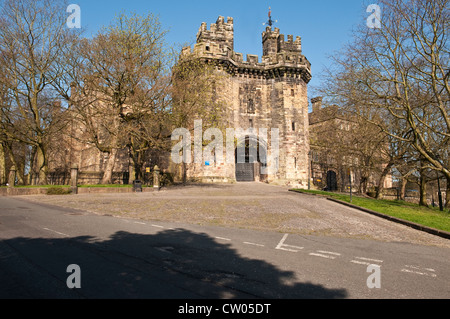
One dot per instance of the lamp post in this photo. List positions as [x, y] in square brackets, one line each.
[350, 180]
[310, 169]
[441, 206]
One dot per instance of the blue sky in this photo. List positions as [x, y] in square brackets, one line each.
[324, 25]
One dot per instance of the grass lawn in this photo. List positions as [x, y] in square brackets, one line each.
[430, 217]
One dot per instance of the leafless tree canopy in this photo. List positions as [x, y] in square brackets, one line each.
[117, 86]
[397, 77]
[33, 39]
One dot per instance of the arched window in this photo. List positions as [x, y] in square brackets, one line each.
[251, 107]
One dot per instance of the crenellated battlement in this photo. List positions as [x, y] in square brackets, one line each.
[290, 45]
[280, 56]
[221, 33]
[274, 42]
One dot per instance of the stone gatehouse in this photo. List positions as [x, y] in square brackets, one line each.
[267, 93]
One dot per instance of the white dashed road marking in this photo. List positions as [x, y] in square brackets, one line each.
[253, 244]
[56, 232]
[429, 272]
[325, 254]
[419, 271]
[365, 261]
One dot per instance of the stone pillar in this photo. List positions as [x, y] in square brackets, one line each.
[156, 181]
[74, 179]
[12, 177]
[132, 174]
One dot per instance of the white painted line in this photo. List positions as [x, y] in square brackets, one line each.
[287, 249]
[322, 255]
[140, 223]
[281, 243]
[369, 259]
[157, 226]
[253, 244]
[328, 252]
[291, 246]
[414, 267]
[418, 268]
[222, 238]
[360, 262]
[281, 246]
[57, 232]
[419, 273]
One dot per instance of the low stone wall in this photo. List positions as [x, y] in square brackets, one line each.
[19, 191]
[106, 190]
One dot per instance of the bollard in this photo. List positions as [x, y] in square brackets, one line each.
[74, 179]
[156, 181]
[12, 177]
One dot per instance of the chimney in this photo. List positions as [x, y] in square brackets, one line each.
[316, 103]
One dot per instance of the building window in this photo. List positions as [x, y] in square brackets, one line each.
[292, 92]
[293, 126]
[251, 107]
[251, 123]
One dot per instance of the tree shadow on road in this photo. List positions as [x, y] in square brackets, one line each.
[172, 264]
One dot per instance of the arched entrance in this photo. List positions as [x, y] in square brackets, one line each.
[250, 157]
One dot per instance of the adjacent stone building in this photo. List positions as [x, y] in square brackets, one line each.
[344, 152]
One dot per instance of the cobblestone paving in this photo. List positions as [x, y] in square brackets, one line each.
[246, 205]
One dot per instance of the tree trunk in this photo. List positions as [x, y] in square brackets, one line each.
[380, 189]
[403, 189]
[422, 190]
[136, 157]
[19, 170]
[447, 194]
[2, 165]
[107, 175]
[42, 165]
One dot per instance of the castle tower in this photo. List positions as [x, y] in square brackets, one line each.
[220, 33]
[270, 41]
[271, 94]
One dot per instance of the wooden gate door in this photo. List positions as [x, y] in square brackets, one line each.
[245, 172]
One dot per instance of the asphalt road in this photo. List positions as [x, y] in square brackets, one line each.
[129, 258]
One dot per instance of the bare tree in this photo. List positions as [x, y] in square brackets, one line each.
[33, 37]
[118, 87]
[400, 72]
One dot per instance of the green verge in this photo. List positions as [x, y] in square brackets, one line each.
[430, 217]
